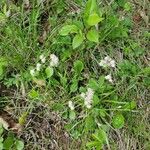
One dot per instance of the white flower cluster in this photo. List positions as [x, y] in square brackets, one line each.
[107, 62]
[53, 63]
[88, 97]
[71, 105]
[32, 72]
[38, 65]
[109, 78]
[42, 58]
[54, 60]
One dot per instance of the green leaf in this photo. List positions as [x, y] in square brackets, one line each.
[1, 139]
[102, 113]
[22, 118]
[57, 107]
[1, 71]
[102, 136]
[33, 94]
[93, 84]
[3, 18]
[49, 72]
[121, 3]
[63, 80]
[3, 61]
[146, 71]
[93, 35]
[1, 146]
[77, 40]
[74, 86]
[127, 6]
[78, 66]
[19, 145]
[68, 29]
[72, 115]
[1, 129]
[131, 105]
[96, 100]
[93, 19]
[3, 64]
[118, 121]
[79, 24]
[8, 143]
[90, 124]
[91, 7]
[94, 144]
[101, 81]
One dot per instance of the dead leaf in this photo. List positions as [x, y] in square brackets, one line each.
[40, 82]
[9, 122]
[4, 123]
[43, 36]
[17, 128]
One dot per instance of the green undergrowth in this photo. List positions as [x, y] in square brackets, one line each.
[86, 61]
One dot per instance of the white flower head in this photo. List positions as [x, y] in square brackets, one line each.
[54, 60]
[112, 63]
[42, 58]
[32, 72]
[102, 63]
[38, 66]
[107, 58]
[107, 61]
[89, 94]
[88, 97]
[109, 78]
[71, 105]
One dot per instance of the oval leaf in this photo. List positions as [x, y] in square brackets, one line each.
[19, 145]
[93, 19]
[78, 66]
[33, 94]
[93, 35]
[1, 128]
[74, 86]
[72, 115]
[91, 6]
[68, 29]
[118, 121]
[8, 143]
[77, 41]
[49, 72]
[1, 71]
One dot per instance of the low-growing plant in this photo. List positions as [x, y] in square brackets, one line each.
[9, 141]
[74, 68]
